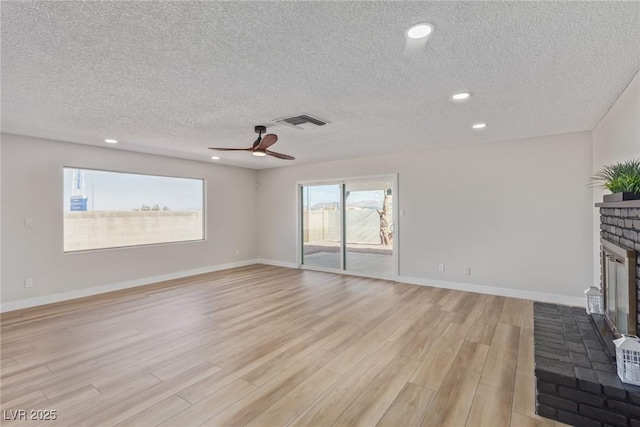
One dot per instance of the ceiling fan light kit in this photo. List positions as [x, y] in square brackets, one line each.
[260, 145]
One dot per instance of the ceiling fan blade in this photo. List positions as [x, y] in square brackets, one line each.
[267, 141]
[230, 149]
[279, 155]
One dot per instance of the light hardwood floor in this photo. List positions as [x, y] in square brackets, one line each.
[269, 346]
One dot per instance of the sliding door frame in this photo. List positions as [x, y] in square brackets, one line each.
[342, 182]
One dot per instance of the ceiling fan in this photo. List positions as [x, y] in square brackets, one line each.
[260, 145]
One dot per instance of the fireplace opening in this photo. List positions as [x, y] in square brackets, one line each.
[619, 287]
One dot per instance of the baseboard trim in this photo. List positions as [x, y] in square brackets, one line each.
[96, 290]
[276, 263]
[458, 286]
[468, 287]
[492, 290]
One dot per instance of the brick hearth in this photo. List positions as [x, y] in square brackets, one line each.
[576, 382]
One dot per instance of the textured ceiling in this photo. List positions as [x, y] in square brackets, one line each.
[174, 78]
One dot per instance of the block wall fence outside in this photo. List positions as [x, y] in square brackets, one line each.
[101, 229]
[363, 226]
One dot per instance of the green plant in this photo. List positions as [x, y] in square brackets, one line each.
[620, 177]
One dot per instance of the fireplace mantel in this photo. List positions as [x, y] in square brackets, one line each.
[624, 204]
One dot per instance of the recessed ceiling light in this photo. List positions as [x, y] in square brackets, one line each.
[259, 153]
[479, 126]
[111, 141]
[460, 96]
[215, 158]
[419, 31]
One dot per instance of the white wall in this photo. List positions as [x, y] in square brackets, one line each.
[0, 219]
[517, 212]
[32, 187]
[615, 139]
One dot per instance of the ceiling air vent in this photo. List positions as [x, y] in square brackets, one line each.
[299, 121]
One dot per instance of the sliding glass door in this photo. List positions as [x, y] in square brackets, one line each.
[349, 226]
[369, 228]
[321, 226]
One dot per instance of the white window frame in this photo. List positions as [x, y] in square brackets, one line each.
[115, 248]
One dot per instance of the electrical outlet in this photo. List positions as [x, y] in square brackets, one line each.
[28, 283]
[467, 271]
[237, 251]
[441, 268]
[28, 222]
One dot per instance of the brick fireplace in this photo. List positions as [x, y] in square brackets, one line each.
[576, 378]
[621, 225]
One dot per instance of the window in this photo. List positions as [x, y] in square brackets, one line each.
[111, 209]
